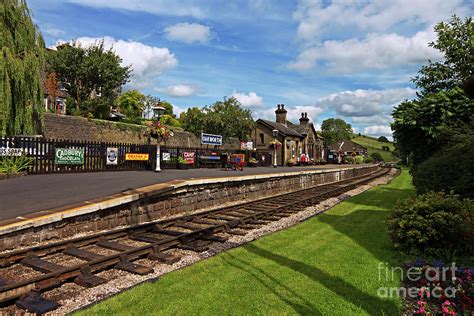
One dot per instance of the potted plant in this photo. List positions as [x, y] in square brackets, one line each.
[322, 161]
[183, 164]
[275, 144]
[290, 162]
[252, 162]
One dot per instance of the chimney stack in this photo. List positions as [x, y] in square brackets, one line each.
[304, 119]
[281, 114]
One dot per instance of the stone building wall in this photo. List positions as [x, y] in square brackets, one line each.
[83, 129]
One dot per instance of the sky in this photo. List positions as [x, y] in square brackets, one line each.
[346, 59]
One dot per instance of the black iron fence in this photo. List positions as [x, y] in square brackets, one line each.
[66, 156]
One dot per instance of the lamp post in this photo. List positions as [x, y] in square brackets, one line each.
[157, 112]
[275, 134]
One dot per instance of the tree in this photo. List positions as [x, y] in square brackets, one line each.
[226, 118]
[334, 130]
[87, 72]
[455, 42]
[131, 103]
[383, 139]
[21, 64]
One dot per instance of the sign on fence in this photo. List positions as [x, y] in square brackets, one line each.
[69, 156]
[246, 145]
[210, 139]
[136, 156]
[189, 157]
[166, 156]
[6, 151]
[112, 155]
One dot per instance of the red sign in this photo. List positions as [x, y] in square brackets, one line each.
[189, 157]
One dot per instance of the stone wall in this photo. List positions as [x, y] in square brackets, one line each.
[83, 129]
[184, 200]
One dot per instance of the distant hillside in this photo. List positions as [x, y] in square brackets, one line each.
[373, 145]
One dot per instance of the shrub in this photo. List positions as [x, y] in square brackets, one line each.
[433, 225]
[386, 148]
[368, 159]
[449, 169]
[383, 139]
[376, 156]
[359, 159]
[348, 159]
[14, 164]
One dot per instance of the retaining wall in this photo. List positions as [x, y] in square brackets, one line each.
[163, 201]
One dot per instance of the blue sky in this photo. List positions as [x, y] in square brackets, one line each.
[347, 59]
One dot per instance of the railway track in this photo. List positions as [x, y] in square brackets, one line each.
[152, 240]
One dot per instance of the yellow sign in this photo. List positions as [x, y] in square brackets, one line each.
[131, 156]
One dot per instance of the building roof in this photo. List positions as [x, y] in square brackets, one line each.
[283, 129]
[346, 146]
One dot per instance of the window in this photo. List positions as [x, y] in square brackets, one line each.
[262, 138]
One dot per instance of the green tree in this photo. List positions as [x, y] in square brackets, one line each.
[456, 42]
[383, 139]
[334, 130]
[131, 103]
[21, 64]
[169, 120]
[226, 118]
[89, 71]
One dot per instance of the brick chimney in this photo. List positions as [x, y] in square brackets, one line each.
[304, 119]
[281, 114]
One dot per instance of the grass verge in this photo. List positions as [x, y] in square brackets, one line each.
[327, 265]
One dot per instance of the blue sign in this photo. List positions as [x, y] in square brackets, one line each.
[210, 139]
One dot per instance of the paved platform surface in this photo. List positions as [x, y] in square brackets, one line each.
[25, 195]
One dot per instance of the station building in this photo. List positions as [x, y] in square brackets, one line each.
[344, 148]
[289, 141]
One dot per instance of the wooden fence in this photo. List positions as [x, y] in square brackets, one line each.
[44, 152]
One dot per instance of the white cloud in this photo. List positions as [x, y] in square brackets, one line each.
[148, 62]
[362, 103]
[316, 16]
[294, 112]
[378, 130]
[376, 51]
[53, 31]
[188, 33]
[179, 90]
[248, 100]
[158, 7]
[378, 119]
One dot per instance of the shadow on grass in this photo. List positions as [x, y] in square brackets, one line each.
[298, 303]
[371, 304]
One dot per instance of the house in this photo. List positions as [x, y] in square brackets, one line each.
[344, 148]
[54, 101]
[289, 141]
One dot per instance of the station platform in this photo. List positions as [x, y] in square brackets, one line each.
[30, 194]
[37, 208]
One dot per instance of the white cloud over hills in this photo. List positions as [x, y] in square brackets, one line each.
[250, 99]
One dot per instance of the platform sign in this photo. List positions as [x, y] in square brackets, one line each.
[69, 156]
[189, 157]
[112, 155]
[211, 139]
[137, 156]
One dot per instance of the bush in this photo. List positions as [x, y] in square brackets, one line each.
[449, 169]
[368, 159]
[359, 159]
[376, 156]
[433, 225]
[348, 159]
[14, 164]
[386, 148]
[383, 139]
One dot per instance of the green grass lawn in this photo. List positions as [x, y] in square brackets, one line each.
[327, 265]
[373, 145]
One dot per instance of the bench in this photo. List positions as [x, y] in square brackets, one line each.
[205, 161]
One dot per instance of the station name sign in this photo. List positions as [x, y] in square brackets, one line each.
[210, 139]
[137, 156]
